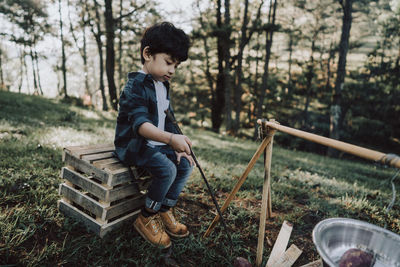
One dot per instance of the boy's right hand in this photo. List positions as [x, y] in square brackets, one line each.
[180, 143]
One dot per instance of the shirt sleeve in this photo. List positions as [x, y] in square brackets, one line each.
[134, 105]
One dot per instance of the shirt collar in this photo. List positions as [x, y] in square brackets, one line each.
[141, 76]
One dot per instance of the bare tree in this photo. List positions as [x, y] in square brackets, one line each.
[335, 112]
[269, 32]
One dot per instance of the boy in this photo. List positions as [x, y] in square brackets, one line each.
[145, 137]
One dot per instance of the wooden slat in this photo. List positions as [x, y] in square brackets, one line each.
[119, 174]
[82, 200]
[280, 245]
[317, 263]
[80, 216]
[94, 226]
[105, 229]
[85, 183]
[122, 192]
[98, 190]
[104, 163]
[123, 207]
[99, 156]
[87, 168]
[72, 149]
[81, 152]
[289, 257]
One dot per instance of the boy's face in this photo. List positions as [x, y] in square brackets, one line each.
[161, 65]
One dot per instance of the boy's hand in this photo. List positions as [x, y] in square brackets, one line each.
[179, 155]
[180, 143]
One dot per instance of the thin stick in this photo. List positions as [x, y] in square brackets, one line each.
[171, 117]
[240, 182]
[266, 196]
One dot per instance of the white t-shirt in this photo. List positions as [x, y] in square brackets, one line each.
[162, 104]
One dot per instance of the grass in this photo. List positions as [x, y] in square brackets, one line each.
[306, 188]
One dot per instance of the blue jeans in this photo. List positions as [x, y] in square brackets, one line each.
[169, 178]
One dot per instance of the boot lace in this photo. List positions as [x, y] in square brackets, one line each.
[155, 222]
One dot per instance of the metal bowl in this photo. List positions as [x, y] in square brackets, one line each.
[333, 237]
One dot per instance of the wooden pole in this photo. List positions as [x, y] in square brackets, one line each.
[251, 164]
[266, 195]
[390, 159]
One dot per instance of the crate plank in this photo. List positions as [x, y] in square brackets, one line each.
[98, 156]
[92, 225]
[105, 229]
[83, 147]
[79, 152]
[87, 168]
[102, 164]
[84, 152]
[122, 192]
[80, 216]
[85, 183]
[82, 200]
[119, 175]
[123, 207]
[79, 149]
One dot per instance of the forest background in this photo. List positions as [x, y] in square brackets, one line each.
[331, 67]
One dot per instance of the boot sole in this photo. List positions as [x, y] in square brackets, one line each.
[145, 238]
[176, 235]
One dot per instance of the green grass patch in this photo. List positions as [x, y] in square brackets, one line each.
[306, 188]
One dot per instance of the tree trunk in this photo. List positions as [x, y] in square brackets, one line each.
[85, 64]
[290, 62]
[63, 65]
[227, 68]
[119, 84]
[21, 73]
[110, 54]
[244, 40]
[309, 77]
[328, 68]
[2, 83]
[37, 71]
[217, 106]
[35, 87]
[97, 35]
[335, 113]
[268, 44]
[26, 72]
[253, 112]
[239, 71]
[83, 49]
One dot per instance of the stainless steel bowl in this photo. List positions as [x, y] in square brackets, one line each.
[333, 237]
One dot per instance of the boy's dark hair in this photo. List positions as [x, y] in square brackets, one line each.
[164, 37]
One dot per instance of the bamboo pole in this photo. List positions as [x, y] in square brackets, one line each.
[241, 180]
[389, 159]
[266, 212]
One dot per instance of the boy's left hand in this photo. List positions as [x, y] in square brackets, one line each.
[179, 155]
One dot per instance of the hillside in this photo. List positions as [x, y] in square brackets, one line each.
[306, 188]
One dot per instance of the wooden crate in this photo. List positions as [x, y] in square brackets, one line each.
[98, 190]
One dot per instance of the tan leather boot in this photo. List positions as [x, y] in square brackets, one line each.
[172, 227]
[150, 228]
